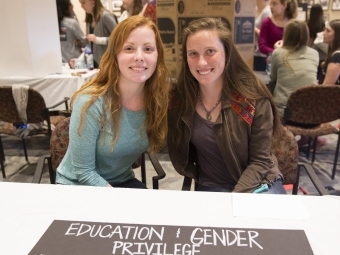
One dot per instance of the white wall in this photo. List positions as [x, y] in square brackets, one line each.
[29, 44]
[80, 13]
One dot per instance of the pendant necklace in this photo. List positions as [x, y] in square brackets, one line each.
[208, 115]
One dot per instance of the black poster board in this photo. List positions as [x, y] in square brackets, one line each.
[97, 238]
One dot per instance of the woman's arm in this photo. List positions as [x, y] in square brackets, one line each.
[333, 69]
[257, 31]
[97, 40]
[260, 141]
[78, 33]
[263, 38]
[109, 22]
[264, 14]
[83, 146]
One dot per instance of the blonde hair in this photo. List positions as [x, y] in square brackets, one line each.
[295, 36]
[291, 10]
[105, 84]
[97, 11]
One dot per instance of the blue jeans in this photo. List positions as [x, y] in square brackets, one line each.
[276, 188]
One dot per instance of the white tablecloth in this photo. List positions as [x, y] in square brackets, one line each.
[53, 87]
[27, 210]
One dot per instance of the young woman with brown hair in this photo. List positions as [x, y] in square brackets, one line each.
[222, 118]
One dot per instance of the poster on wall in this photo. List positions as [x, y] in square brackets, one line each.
[113, 5]
[324, 4]
[88, 238]
[302, 12]
[116, 4]
[326, 18]
[308, 2]
[336, 5]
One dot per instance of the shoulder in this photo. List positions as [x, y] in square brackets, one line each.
[267, 21]
[278, 52]
[244, 107]
[266, 12]
[83, 99]
[106, 13]
[335, 57]
[108, 16]
[312, 52]
[69, 21]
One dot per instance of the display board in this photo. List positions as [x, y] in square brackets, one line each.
[88, 238]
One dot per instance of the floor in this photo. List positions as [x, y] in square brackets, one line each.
[18, 170]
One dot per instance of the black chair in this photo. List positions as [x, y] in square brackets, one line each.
[37, 112]
[308, 113]
[58, 147]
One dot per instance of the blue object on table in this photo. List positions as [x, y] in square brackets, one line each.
[262, 188]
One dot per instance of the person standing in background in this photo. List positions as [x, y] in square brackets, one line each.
[99, 25]
[71, 36]
[262, 12]
[272, 27]
[131, 8]
[331, 66]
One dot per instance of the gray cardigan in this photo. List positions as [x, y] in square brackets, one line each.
[103, 28]
[304, 63]
[68, 46]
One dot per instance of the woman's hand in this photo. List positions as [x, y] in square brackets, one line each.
[91, 37]
[72, 62]
[278, 44]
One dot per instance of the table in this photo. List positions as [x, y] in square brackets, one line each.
[28, 209]
[53, 87]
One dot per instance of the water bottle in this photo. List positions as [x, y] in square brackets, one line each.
[88, 58]
[269, 63]
[80, 64]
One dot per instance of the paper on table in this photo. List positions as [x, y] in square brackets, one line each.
[269, 206]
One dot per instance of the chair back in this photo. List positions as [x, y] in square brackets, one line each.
[313, 105]
[59, 142]
[287, 155]
[8, 110]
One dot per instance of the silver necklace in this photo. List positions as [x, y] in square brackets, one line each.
[208, 115]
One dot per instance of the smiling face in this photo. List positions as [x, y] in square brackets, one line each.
[87, 5]
[206, 57]
[138, 58]
[277, 8]
[328, 35]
